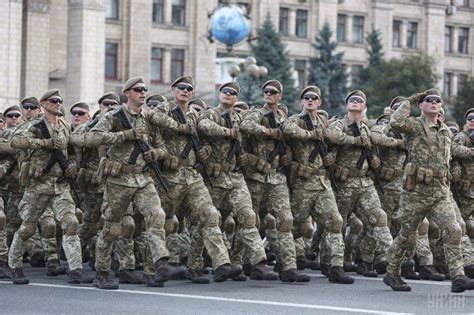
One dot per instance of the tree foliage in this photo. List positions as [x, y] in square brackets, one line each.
[464, 101]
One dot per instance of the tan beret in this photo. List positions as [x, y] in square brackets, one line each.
[356, 93]
[397, 99]
[433, 92]
[384, 116]
[14, 108]
[82, 105]
[310, 88]
[30, 100]
[470, 110]
[241, 105]
[452, 124]
[110, 96]
[132, 82]
[156, 97]
[48, 94]
[275, 83]
[184, 79]
[199, 102]
[232, 84]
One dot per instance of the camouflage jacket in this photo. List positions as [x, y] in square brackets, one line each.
[297, 135]
[213, 130]
[392, 157]
[108, 132]
[257, 143]
[463, 152]
[27, 138]
[428, 146]
[7, 158]
[166, 121]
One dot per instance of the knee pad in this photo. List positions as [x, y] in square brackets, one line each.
[470, 228]
[211, 217]
[79, 215]
[26, 230]
[306, 229]
[284, 221]
[157, 219]
[229, 225]
[269, 222]
[171, 225]
[111, 231]
[355, 224]
[453, 233]
[410, 238]
[70, 224]
[3, 220]
[434, 232]
[88, 230]
[128, 227]
[381, 218]
[48, 228]
[246, 218]
[334, 224]
[424, 227]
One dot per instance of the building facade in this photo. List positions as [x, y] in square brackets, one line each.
[87, 47]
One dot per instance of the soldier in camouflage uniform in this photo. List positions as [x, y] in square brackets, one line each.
[230, 193]
[188, 196]
[266, 180]
[42, 190]
[357, 192]
[310, 189]
[426, 189]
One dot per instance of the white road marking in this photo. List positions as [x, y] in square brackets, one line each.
[215, 298]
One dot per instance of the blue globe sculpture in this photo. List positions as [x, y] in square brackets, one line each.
[229, 25]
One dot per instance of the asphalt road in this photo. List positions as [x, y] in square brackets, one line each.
[48, 295]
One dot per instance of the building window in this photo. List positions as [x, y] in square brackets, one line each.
[463, 40]
[156, 65]
[300, 68]
[396, 32]
[112, 9]
[158, 11]
[111, 57]
[447, 83]
[461, 79]
[177, 63]
[358, 29]
[341, 28]
[448, 39]
[178, 12]
[301, 23]
[412, 30]
[283, 27]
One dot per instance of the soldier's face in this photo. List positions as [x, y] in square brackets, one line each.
[13, 118]
[30, 111]
[53, 105]
[431, 105]
[79, 116]
[271, 95]
[356, 104]
[136, 95]
[470, 121]
[183, 92]
[228, 96]
[310, 102]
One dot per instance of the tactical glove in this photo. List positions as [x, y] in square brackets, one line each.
[203, 153]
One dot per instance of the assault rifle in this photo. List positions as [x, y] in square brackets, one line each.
[140, 147]
[319, 148]
[280, 148]
[235, 148]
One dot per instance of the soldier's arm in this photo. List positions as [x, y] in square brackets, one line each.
[102, 133]
[251, 124]
[336, 134]
[5, 147]
[25, 138]
[159, 144]
[459, 149]
[291, 129]
[209, 127]
[159, 118]
[400, 119]
[379, 137]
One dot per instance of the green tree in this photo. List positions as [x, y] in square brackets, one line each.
[394, 77]
[464, 101]
[326, 72]
[271, 53]
[375, 53]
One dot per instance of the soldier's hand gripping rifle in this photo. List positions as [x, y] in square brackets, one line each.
[366, 154]
[280, 148]
[319, 148]
[57, 156]
[235, 148]
[193, 143]
[140, 147]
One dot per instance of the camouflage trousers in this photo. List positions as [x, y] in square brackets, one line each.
[117, 199]
[274, 199]
[31, 208]
[45, 242]
[124, 244]
[413, 209]
[91, 207]
[365, 204]
[321, 206]
[3, 234]
[13, 215]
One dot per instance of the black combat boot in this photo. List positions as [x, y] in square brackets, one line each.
[197, 276]
[18, 277]
[247, 269]
[408, 271]
[469, 271]
[429, 273]
[128, 276]
[261, 272]
[349, 266]
[179, 273]
[4, 270]
[226, 271]
[461, 284]
[337, 275]
[396, 283]
[293, 275]
[381, 267]
[324, 269]
[103, 281]
[164, 271]
[367, 270]
[78, 276]
[302, 263]
[54, 268]
[37, 260]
